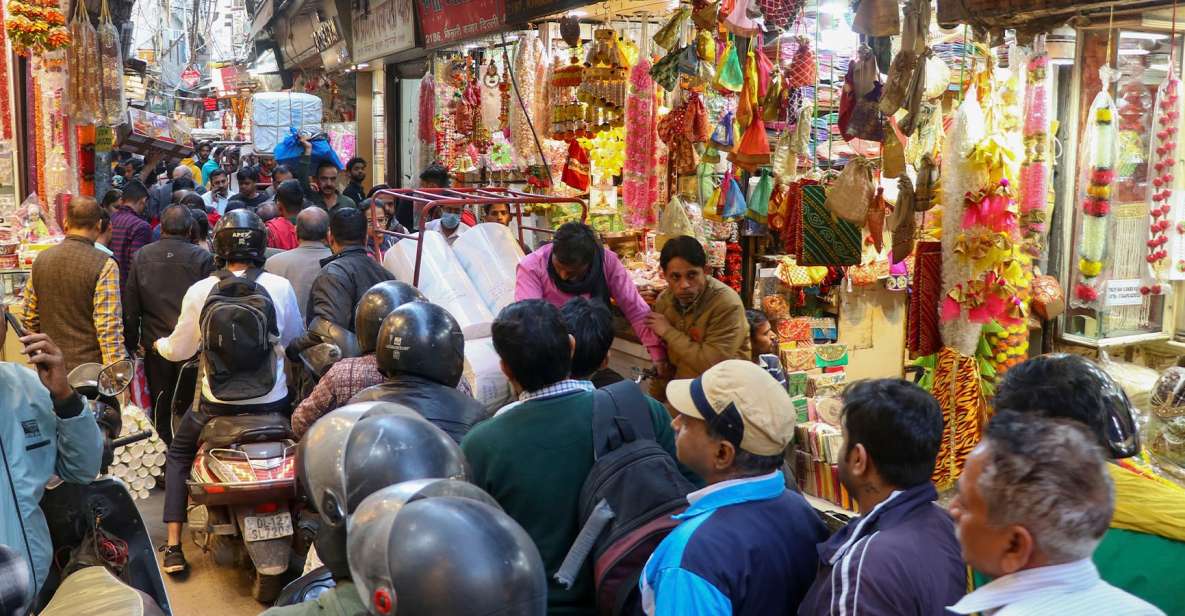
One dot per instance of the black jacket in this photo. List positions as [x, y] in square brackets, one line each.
[161, 273]
[336, 291]
[344, 277]
[447, 408]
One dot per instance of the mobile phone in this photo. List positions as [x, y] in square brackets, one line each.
[15, 323]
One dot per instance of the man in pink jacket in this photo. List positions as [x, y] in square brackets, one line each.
[575, 264]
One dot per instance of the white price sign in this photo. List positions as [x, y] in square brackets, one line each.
[1124, 292]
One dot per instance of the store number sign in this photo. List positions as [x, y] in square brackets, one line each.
[1125, 292]
[448, 21]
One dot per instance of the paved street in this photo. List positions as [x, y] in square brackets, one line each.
[206, 588]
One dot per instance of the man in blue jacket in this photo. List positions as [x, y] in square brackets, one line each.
[901, 556]
[746, 545]
[45, 429]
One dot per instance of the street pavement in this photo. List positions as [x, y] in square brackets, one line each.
[206, 588]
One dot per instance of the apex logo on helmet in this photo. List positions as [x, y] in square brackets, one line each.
[396, 346]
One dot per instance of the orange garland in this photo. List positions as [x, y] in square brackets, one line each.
[36, 26]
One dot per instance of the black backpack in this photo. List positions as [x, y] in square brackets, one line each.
[239, 333]
[627, 502]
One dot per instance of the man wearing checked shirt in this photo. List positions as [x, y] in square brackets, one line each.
[73, 294]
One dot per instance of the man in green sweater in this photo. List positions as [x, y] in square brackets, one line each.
[533, 457]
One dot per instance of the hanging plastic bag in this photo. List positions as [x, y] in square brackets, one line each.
[85, 75]
[758, 207]
[803, 69]
[674, 221]
[729, 75]
[705, 15]
[668, 36]
[705, 47]
[576, 171]
[739, 21]
[734, 199]
[724, 137]
[289, 151]
[876, 219]
[902, 222]
[877, 18]
[780, 13]
[113, 104]
[892, 153]
[665, 72]
[850, 195]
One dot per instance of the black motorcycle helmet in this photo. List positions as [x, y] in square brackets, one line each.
[240, 236]
[443, 555]
[424, 340]
[1072, 387]
[375, 305]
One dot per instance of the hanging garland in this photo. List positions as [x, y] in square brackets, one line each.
[36, 26]
[1035, 173]
[1096, 200]
[1161, 188]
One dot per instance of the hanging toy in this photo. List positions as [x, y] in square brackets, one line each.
[1166, 123]
[1099, 182]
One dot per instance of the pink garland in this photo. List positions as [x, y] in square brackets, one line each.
[1035, 171]
[639, 186]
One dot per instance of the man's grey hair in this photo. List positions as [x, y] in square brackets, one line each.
[182, 171]
[312, 224]
[1051, 477]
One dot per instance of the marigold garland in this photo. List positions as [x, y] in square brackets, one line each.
[36, 26]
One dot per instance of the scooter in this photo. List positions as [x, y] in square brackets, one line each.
[104, 562]
[243, 490]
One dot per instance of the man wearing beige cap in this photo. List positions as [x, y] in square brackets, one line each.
[746, 544]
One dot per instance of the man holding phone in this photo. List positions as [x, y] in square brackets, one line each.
[45, 429]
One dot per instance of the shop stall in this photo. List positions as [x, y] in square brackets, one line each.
[899, 194]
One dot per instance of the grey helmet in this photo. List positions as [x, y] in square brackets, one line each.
[345, 457]
[443, 548]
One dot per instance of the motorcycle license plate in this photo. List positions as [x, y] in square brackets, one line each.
[272, 526]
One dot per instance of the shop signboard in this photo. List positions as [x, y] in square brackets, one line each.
[387, 29]
[104, 139]
[445, 22]
[190, 76]
[326, 34]
[522, 11]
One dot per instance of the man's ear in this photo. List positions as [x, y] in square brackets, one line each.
[1019, 551]
[726, 454]
[858, 461]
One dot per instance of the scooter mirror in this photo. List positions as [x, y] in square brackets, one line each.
[115, 377]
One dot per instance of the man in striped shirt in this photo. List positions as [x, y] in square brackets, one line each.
[1034, 501]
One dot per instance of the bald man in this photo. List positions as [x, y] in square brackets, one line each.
[302, 264]
[161, 274]
[73, 294]
[162, 195]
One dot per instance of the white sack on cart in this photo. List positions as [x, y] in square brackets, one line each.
[490, 254]
[273, 113]
[443, 281]
[483, 372]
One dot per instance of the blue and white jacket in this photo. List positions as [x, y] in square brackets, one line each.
[900, 559]
[745, 547]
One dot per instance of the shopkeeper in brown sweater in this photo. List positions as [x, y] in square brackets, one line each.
[700, 319]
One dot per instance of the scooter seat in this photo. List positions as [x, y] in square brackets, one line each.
[94, 591]
[223, 431]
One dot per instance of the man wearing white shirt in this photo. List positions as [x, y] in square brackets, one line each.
[239, 243]
[219, 194]
[1034, 500]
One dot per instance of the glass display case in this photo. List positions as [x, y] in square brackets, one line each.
[1126, 310]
